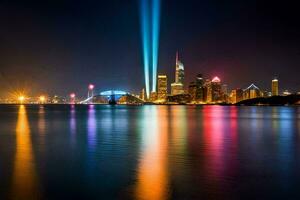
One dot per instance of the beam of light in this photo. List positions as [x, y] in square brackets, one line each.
[155, 40]
[145, 40]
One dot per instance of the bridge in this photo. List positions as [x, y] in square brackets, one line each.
[113, 97]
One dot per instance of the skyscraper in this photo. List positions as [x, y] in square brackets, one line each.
[179, 75]
[216, 89]
[162, 87]
[192, 90]
[251, 92]
[207, 91]
[142, 94]
[199, 87]
[178, 86]
[236, 96]
[275, 89]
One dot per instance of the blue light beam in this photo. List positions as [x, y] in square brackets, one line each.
[155, 40]
[146, 42]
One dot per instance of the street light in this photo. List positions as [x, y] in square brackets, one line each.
[42, 99]
[21, 99]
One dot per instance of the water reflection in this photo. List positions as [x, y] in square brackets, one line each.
[73, 124]
[153, 177]
[42, 126]
[91, 129]
[213, 124]
[24, 174]
[179, 128]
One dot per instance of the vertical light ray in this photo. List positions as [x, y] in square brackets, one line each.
[145, 41]
[155, 40]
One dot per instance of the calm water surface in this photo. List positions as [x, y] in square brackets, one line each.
[149, 152]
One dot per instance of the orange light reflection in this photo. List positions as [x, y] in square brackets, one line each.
[24, 175]
[152, 175]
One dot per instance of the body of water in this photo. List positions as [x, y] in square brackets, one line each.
[149, 152]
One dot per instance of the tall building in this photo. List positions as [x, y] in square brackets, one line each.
[236, 95]
[153, 96]
[275, 89]
[199, 87]
[179, 74]
[207, 91]
[252, 92]
[192, 91]
[224, 93]
[142, 94]
[178, 86]
[216, 89]
[162, 87]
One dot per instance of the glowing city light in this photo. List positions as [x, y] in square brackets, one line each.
[42, 99]
[216, 79]
[72, 95]
[91, 87]
[21, 99]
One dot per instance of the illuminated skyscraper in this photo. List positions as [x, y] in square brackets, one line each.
[216, 89]
[153, 96]
[178, 86]
[207, 91]
[252, 92]
[199, 87]
[236, 96]
[192, 90]
[162, 87]
[179, 75]
[142, 94]
[275, 89]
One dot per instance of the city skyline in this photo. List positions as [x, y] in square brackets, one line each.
[78, 45]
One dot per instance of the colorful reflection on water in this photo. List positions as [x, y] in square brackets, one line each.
[149, 152]
[152, 172]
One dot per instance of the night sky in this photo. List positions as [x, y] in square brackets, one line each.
[58, 47]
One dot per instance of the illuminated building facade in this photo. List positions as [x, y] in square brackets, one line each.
[142, 94]
[179, 74]
[252, 92]
[236, 96]
[275, 89]
[162, 87]
[286, 93]
[224, 93]
[207, 91]
[153, 96]
[192, 90]
[199, 87]
[178, 86]
[216, 90]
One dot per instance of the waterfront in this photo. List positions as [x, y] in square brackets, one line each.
[149, 152]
